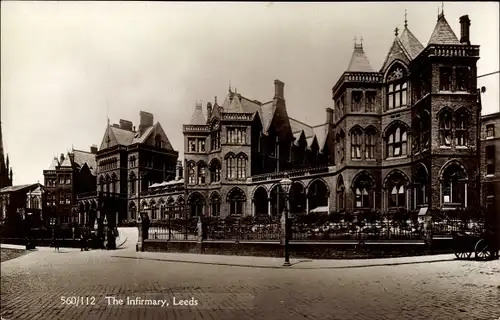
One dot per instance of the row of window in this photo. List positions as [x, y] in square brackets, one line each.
[236, 168]
[367, 101]
[63, 179]
[108, 164]
[455, 78]
[362, 141]
[237, 136]
[64, 198]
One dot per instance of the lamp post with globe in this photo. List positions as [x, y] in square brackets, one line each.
[286, 184]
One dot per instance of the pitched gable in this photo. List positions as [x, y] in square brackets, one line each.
[397, 52]
[410, 43]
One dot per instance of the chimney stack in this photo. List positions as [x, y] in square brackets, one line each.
[209, 110]
[61, 158]
[93, 149]
[464, 29]
[329, 115]
[126, 125]
[146, 121]
[279, 89]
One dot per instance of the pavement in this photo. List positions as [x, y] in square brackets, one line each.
[44, 284]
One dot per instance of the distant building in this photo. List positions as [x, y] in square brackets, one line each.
[13, 200]
[490, 160]
[71, 174]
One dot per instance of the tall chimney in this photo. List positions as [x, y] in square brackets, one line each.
[279, 89]
[329, 115]
[146, 121]
[93, 149]
[61, 158]
[126, 125]
[464, 29]
[209, 110]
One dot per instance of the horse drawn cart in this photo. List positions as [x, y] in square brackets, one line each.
[468, 242]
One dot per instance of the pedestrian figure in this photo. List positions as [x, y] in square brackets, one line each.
[83, 241]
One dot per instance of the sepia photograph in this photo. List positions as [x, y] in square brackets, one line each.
[250, 160]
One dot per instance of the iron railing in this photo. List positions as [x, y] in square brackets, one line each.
[258, 228]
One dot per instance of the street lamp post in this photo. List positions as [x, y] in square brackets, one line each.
[286, 183]
[53, 224]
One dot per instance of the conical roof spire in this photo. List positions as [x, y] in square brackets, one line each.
[198, 118]
[409, 41]
[443, 33]
[359, 62]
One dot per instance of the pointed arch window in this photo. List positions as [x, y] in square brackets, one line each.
[461, 130]
[201, 173]
[397, 142]
[397, 89]
[191, 173]
[231, 167]
[236, 198]
[397, 191]
[241, 166]
[215, 171]
[215, 137]
[370, 144]
[215, 205]
[362, 188]
[445, 129]
[421, 180]
[356, 139]
[454, 185]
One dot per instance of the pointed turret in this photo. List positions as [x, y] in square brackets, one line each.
[410, 42]
[443, 33]
[359, 61]
[198, 118]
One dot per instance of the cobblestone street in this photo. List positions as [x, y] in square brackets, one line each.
[32, 286]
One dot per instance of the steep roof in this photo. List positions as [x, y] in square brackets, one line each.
[83, 157]
[359, 61]
[321, 133]
[410, 43]
[443, 33]
[66, 162]
[54, 164]
[298, 126]
[198, 118]
[17, 188]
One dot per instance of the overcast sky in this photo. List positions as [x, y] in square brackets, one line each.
[63, 62]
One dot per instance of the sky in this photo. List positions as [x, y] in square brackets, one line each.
[68, 66]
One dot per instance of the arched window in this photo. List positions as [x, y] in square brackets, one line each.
[196, 204]
[461, 123]
[396, 185]
[421, 182]
[215, 171]
[397, 141]
[363, 186]
[397, 88]
[114, 184]
[445, 128]
[201, 172]
[260, 200]
[215, 204]
[356, 139]
[101, 183]
[340, 194]
[370, 143]
[231, 166]
[236, 198]
[191, 173]
[215, 136]
[454, 185]
[132, 182]
[241, 166]
[108, 183]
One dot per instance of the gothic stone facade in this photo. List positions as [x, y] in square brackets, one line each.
[405, 136]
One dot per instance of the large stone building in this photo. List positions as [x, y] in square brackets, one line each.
[405, 136]
[128, 162]
[70, 175]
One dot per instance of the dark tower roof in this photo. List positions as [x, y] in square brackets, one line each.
[359, 60]
[443, 33]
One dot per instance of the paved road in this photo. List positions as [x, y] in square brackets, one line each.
[32, 287]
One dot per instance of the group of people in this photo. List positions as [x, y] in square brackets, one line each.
[98, 239]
